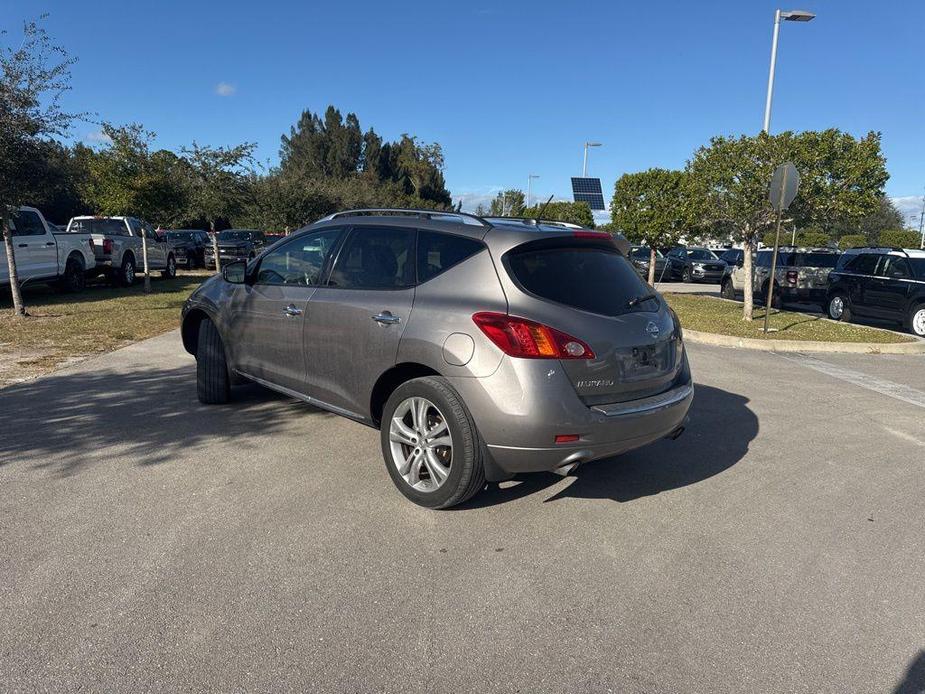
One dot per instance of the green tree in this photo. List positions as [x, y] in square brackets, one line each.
[852, 241]
[33, 76]
[900, 238]
[884, 218]
[841, 178]
[507, 203]
[807, 238]
[219, 183]
[649, 208]
[563, 211]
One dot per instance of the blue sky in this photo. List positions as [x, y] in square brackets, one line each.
[508, 88]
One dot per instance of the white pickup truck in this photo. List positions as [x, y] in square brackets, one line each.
[117, 242]
[46, 256]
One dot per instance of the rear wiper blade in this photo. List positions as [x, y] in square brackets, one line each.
[639, 299]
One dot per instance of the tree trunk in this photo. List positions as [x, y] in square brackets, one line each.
[218, 268]
[144, 256]
[748, 271]
[652, 266]
[18, 308]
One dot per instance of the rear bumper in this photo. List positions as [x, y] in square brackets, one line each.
[809, 294]
[525, 404]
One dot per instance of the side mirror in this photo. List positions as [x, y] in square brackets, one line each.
[235, 273]
[740, 262]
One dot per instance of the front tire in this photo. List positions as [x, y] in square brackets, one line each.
[213, 384]
[838, 309]
[916, 320]
[126, 275]
[431, 446]
[728, 291]
[686, 275]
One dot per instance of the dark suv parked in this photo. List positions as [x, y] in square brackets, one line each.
[190, 246]
[884, 283]
[236, 244]
[695, 265]
[480, 348]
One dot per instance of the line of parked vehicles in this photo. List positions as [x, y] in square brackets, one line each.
[91, 246]
[874, 282]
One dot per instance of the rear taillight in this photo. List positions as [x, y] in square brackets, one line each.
[527, 339]
[596, 235]
[107, 246]
[792, 276]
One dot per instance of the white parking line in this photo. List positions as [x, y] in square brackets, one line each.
[897, 391]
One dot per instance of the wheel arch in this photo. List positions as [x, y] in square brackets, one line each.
[78, 256]
[390, 380]
[189, 330]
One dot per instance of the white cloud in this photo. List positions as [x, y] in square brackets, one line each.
[97, 137]
[910, 207]
[225, 89]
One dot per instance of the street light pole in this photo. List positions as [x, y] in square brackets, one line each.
[922, 224]
[584, 168]
[530, 178]
[789, 16]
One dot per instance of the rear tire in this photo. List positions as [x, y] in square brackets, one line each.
[125, 277]
[728, 291]
[171, 271]
[74, 278]
[213, 385]
[466, 469]
[776, 302]
[838, 308]
[686, 275]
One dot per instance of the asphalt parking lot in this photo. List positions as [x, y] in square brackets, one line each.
[152, 543]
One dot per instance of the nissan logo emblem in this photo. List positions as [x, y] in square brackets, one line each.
[652, 329]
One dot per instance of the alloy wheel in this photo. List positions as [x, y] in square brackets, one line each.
[421, 444]
[836, 307]
[918, 322]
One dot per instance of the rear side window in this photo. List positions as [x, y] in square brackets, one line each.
[587, 278]
[764, 259]
[863, 264]
[895, 267]
[439, 252]
[375, 258]
[918, 267]
[786, 258]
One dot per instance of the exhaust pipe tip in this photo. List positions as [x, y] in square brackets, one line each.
[676, 433]
[564, 470]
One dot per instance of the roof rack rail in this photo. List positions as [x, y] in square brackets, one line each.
[535, 222]
[464, 217]
[878, 248]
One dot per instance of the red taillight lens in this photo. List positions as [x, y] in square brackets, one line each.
[519, 337]
[596, 235]
[792, 276]
[567, 438]
[107, 246]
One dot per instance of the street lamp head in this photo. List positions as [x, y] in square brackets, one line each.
[797, 16]
[592, 144]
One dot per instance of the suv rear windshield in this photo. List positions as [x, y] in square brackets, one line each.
[237, 235]
[701, 254]
[816, 259]
[587, 278]
[180, 235]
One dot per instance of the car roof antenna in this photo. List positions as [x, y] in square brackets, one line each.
[539, 217]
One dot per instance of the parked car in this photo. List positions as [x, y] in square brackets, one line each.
[801, 275]
[694, 265]
[640, 256]
[733, 257]
[189, 246]
[479, 349]
[45, 255]
[883, 283]
[118, 247]
[234, 245]
[270, 239]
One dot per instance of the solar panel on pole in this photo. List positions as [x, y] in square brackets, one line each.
[588, 190]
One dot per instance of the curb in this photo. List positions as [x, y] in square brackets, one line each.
[696, 337]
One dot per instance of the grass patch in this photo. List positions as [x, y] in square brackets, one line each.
[709, 315]
[98, 319]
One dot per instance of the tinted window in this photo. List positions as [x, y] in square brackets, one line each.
[109, 227]
[918, 267]
[895, 267]
[25, 223]
[763, 259]
[816, 259]
[787, 258]
[590, 279]
[180, 235]
[863, 264]
[375, 258]
[732, 256]
[438, 252]
[236, 235]
[299, 262]
[701, 254]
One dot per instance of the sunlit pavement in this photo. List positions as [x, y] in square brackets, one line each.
[151, 543]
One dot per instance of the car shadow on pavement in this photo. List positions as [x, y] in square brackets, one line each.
[717, 437]
[66, 422]
[914, 680]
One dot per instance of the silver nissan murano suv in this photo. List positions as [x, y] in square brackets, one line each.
[480, 347]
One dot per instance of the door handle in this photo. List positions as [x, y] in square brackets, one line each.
[386, 318]
[49, 243]
[291, 310]
[22, 245]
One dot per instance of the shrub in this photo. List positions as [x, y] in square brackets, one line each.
[852, 241]
[900, 238]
